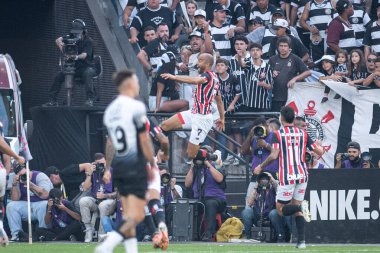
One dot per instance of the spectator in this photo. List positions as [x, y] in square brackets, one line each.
[373, 80]
[200, 18]
[150, 55]
[315, 18]
[150, 34]
[295, 16]
[314, 162]
[341, 33]
[139, 5]
[17, 209]
[287, 70]
[192, 11]
[262, 207]
[350, 160]
[102, 197]
[63, 219]
[231, 92]
[170, 191]
[264, 35]
[371, 59]
[263, 10]
[357, 69]
[341, 63]
[210, 192]
[164, 96]
[359, 22]
[371, 39]
[235, 16]
[223, 33]
[281, 27]
[84, 63]
[71, 180]
[255, 23]
[257, 89]
[153, 16]
[328, 64]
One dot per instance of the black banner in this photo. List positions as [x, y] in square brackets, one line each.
[345, 206]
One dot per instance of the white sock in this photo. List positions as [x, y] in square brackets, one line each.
[112, 240]
[130, 245]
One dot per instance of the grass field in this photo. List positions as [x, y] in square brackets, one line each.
[191, 248]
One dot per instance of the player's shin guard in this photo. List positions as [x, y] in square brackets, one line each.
[300, 224]
[157, 210]
[149, 221]
[291, 209]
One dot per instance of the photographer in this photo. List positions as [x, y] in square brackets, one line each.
[312, 161]
[351, 159]
[170, 191]
[77, 48]
[208, 185]
[367, 160]
[262, 201]
[17, 209]
[257, 144]
[102, 197]
[63, 219]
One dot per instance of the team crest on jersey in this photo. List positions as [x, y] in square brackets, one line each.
[157, 20]
[355, 20]
[227, 88]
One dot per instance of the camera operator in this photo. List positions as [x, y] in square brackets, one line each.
[63, 219]
[312, 161]
[257, 144]
[262, 200]
[208, 185]
[170, 191]
[78, 51]
[17, 210]
[102, 197]
[351, 159]
[367, 160]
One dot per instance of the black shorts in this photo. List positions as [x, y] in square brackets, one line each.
[130, 178]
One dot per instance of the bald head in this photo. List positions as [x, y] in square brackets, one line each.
[208, 58]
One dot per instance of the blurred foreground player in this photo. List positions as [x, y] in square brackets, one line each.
[131, 148]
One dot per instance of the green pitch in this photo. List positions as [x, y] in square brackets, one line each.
[191, 248]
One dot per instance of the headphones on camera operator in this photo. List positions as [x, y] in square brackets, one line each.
[78, 26]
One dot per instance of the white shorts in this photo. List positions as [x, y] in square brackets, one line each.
[3, 181]
[286, 193]
[152, 102]
[200, 125]
[155, 183]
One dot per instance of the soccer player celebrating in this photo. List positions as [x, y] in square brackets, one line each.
[125, 119]
[290, 143]
[199, 118]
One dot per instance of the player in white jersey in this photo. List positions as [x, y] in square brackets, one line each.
[129, 147]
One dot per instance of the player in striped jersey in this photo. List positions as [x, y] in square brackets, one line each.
[290, 143]
[199, 118]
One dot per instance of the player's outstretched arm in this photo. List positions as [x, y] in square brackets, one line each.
[7, 150]
[219, 104]
[185, 79]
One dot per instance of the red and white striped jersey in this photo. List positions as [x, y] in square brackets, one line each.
[204, 93]
[292, 143]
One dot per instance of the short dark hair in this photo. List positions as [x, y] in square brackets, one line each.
[122, 75]
[242, 38]
[260, 121]
[55, 193]
[275, 121]
[161, 24]
[255, 45]
[222, 60]
[288, 114]
[98, 156]
[149, 28]
[377, 59]
[284, 39]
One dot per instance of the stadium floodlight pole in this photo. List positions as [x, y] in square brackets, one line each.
[28, 201]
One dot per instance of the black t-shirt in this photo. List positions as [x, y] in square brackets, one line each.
[85, 46]
[287, 68]
[297, 47]
[72, 178]
[149, 17]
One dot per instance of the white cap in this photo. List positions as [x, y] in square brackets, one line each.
[281, 23]
[200, 12]
[326, 57]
